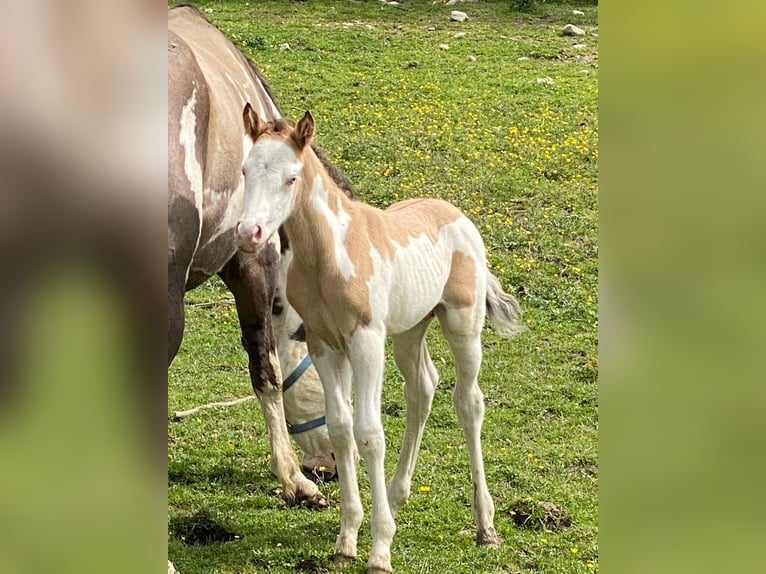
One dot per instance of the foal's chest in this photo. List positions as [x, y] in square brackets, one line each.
[331, 307]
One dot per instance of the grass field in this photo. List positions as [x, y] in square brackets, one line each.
[512, 139]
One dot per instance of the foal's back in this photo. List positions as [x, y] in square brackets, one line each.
[437, 259]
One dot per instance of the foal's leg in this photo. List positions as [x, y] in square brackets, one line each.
[462, 329]
[252, 281]
[420, 380]
[335, 373]
[366, 353]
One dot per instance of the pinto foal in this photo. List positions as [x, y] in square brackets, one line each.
[358, 274]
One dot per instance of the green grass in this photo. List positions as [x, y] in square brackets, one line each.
[403, 118]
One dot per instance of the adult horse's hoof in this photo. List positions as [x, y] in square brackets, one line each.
[487, 537]
[320, 468]
[316, 500]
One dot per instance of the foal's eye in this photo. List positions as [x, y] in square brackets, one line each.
[243, 171]
[290, 181]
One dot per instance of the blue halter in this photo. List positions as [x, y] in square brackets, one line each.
[289, 382]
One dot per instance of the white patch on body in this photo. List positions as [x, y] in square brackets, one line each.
[188, 140]
[339, 225]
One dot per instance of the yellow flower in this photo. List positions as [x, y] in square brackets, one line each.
[424, 488]
[574, 550]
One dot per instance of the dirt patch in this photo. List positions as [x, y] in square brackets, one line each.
[200, 529]
[311, 566]
[538, 515]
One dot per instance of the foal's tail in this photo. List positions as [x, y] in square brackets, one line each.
[503, 309]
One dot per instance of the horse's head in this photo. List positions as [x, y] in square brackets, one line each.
[272, 171]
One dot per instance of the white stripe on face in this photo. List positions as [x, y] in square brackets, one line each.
[269, 166]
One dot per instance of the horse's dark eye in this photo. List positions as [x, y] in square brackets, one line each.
[243, 171]
[290, 181]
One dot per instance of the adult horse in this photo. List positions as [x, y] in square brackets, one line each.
[209, 81]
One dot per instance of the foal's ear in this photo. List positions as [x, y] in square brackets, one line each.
[304, 131]
[253, 124]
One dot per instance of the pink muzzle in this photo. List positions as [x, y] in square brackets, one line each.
[250, 235]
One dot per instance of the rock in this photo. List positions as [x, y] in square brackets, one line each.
[458, 35]
[458, 16]
[393, 3]
[285, 47]
[208, 10]
[572, 30]
[431, 28]
[578, 12]
[471, 58]
[546, 80]
[579, 46]
[443, 46]
[452, 2]
[522, 59]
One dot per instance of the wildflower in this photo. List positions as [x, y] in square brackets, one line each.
[574, 550]
[424, 488]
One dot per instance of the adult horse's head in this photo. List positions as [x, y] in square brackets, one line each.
[273, 171]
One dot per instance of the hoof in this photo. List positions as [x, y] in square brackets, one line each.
[342, 559]
[376, 570]
[315, 500]
[320, 468]
[487, 537]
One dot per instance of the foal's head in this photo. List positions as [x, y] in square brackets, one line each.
[272, 173]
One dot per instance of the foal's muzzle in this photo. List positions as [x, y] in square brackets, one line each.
[250, 235]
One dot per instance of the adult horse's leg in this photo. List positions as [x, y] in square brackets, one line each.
[420, 380]
[252, 279]
[183, 233]
[462, 329]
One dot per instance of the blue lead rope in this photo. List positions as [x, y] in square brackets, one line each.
[296, 374]
[303, 427]
[289, 382]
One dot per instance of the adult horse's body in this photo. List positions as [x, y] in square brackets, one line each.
[359, 274]
[209, 81]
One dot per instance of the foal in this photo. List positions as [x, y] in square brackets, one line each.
[358, 274]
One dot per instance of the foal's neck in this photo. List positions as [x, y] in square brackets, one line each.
[308, 227]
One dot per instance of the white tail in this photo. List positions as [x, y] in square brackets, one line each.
[503, 309]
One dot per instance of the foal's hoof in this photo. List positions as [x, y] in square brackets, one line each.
[487, 537]
[342, 559]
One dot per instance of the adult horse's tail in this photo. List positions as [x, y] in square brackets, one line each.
[503, 309]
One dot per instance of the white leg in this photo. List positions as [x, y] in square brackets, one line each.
[460, 330]
[366, 353]
[420, 380]
[335, 373]
[284, 462]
